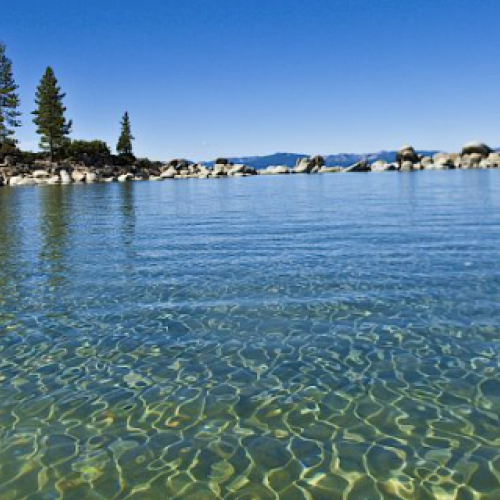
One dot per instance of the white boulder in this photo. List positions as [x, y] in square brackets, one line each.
[383, 166]
[78, 176]
[15, 180]
[65, 177]
[170, 173]
[40, 174]
[329, 170]
[303, 166]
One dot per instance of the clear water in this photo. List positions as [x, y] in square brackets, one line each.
[302, 337]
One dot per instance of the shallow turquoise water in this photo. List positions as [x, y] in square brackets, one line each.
[302, 337]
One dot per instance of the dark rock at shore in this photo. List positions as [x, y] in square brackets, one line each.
[178, 164]
[407, 153]
[476, 148]
[360, 166]
[318, 161]
[304, 166]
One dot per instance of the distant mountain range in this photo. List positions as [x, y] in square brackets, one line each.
[341, 159]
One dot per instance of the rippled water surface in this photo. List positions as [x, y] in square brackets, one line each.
[302, 337]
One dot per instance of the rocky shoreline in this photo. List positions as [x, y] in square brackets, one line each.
[41, 172]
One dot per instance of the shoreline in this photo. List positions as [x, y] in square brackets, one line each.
[41, 172]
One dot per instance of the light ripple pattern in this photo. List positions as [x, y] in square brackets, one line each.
[296, 338]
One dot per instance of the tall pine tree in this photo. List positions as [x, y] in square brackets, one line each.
[9, 100]
[124, 146]
[49, 117]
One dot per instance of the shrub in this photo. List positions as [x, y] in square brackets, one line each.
[80, 150]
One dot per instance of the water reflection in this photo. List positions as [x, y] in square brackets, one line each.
[127, 210]
[10, 252]
[10, 234]
[56, 207]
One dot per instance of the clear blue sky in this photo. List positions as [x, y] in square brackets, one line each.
[207, 78]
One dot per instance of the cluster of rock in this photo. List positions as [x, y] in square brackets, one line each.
[473, 155]
[312, 165]
[182, 169]
[43, 172]
[47, 173]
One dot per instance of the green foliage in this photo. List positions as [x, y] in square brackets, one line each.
[144, 163]
[147, 164]
[8, 149]
[49, 116]
[124, 160]
[124, 146]
[80, 149]
[28, 157]
[9, 100]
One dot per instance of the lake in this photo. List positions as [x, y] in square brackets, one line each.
[289, 337]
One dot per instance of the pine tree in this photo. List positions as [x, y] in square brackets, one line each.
[124, 146]
[49, 117]
[9, 100]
